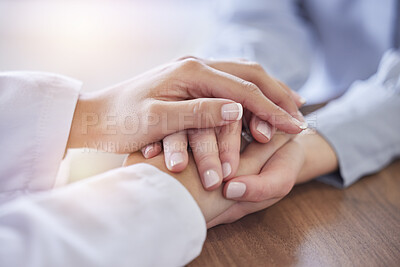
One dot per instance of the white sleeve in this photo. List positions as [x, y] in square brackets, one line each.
[36, 111]
[133, 216]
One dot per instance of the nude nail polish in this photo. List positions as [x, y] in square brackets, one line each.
[175, 159]
[235, 190]
[232, 112]
[264, 129]
[301, 125]
[226, 169]
[211, 178]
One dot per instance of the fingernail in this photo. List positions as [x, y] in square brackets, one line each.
[211, 178]
[264, 129]
[301, 125]
[235, 190]
[232, 112]
[302, 100]
[226, 169]
[175, 159]
[147, 151]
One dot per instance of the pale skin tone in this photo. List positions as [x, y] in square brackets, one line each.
[268, 170]
[175, 102]
[224, 159]
[200, 102]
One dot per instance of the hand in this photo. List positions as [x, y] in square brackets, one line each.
[169, 99]
[212, 203]
[305, 157]
[220, 158]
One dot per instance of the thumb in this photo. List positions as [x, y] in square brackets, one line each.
[275, 180]
[200, 113]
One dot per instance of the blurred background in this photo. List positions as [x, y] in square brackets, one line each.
[100, 43]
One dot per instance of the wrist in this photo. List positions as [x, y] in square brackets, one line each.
[320, 157]
[211, 203]
[85, 122]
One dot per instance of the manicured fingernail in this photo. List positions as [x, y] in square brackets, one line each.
[264, 129]
[302, 100]
[147, 151]
[211, 178]
[226, 169]
[175, 159]
[232, 112]
[301, 125]
[235, 190]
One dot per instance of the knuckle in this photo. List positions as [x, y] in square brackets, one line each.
[201, 114]
[203, 148]
[228, 149]
[154, 107]
[191, 64]
[199, 108]
[204, 158]
[186, 57]
[195, 137]
[255, 66]
[250, 87]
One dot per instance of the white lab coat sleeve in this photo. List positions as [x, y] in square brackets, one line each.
[273, 33]
[131, 216]
[36, 111]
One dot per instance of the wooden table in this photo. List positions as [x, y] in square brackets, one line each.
[316, 225]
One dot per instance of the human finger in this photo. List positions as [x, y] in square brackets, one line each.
[175, 151]
[151, 150]
[261, 130]
[255, 155]
[206, 81]
[253, 72]
[275, 180]
[195, 113]
[228, 138]
[299, 100]
[203, 143]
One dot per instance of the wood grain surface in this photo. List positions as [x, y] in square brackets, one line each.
[316, 225]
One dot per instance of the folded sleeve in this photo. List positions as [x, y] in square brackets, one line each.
[363, 126]
[36, 111]
[273, 33]
[132, 216]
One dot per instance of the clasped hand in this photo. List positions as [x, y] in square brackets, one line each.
[203, 103]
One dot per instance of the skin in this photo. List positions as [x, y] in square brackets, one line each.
[176, 102]
[302, 159]
[224, 159]
[269, 171]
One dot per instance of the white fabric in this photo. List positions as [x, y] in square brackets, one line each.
[36, 111]
[133, 216]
